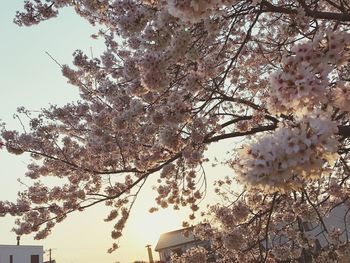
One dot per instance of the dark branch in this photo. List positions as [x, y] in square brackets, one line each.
[268, 7]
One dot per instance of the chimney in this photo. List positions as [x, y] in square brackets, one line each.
[150, 256]
[18, 239]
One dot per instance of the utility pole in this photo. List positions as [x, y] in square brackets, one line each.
[18, 240]
[150, 256]
[50, 254]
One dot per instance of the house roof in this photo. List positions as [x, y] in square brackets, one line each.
[21, 246]
[174, 238]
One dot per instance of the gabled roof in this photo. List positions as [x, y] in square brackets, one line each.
[175, 238]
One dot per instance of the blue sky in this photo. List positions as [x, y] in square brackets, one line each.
[28, 77]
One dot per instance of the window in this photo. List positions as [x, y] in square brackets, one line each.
[34, 259]
[11, 258]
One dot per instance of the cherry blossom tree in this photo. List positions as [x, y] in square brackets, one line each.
[178, 76]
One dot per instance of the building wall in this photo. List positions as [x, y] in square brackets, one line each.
[20, 254]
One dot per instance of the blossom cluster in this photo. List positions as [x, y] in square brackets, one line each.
[192, 255]
[193, 10]
[302, 83]
[282, 159]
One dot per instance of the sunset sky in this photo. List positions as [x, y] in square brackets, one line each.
[28, 77]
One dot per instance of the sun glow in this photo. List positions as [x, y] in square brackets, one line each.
[144, 228]
[151, 226]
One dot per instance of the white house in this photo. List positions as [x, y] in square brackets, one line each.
[177, 242]
[21, 254]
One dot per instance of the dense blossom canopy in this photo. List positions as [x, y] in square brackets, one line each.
[177, 76]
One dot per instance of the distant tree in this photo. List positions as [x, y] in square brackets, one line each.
[178, 76]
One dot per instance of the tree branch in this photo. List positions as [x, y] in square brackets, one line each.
[268, 7]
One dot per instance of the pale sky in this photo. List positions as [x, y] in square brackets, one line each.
[28, 77]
